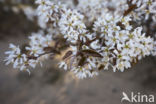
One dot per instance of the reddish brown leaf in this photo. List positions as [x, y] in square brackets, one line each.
[82, 61]
[47, 49]
[91, 53]
[68, 53]
[101, 67]
[131, 8]
[51, 49]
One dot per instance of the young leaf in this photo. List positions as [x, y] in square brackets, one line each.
[91, 53]
[69, 53]
[82, 61]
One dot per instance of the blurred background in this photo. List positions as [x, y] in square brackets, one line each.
[50, 85]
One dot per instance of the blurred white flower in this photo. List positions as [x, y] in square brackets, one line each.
[152, 8]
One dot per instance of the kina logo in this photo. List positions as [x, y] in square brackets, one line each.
[137, 98]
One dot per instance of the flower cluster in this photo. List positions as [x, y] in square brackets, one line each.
[122, 46]
[114, 47]
[68, 21]
[92, 9]
[143, 9]
[71, 25]
[33, 54]
[97, 34]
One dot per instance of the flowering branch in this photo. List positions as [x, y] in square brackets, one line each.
[95, 39]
